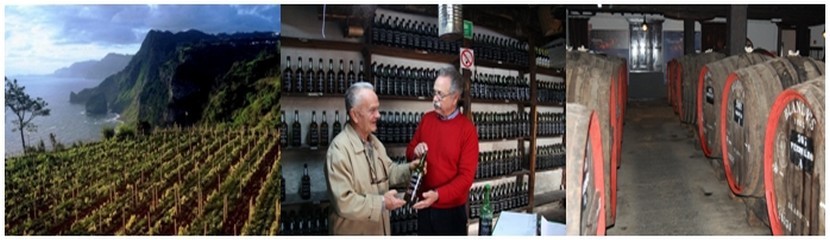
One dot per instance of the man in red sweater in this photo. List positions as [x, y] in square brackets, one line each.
[450, 141]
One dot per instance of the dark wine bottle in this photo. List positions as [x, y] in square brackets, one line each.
[320, 77]
[324, 131]
[296, 130]
[299, 76]
[305, 188]
[313, 131]
[341, 79]
[283, 130]
[309, 76]
[350, 76]
[360, 76]
[336, 127]
[287, 75]
[330, 78]
[411, 194]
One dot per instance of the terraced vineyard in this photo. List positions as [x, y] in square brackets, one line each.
[193, 181]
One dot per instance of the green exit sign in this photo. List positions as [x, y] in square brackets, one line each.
[468, 29]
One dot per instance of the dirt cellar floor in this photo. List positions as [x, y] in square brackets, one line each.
[666, 186]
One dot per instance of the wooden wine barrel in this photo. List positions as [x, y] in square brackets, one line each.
[794, 160]
[584, 168]
[676, 89]
[670, 73]
[710, 86]
[621, 82]
[590, 82]
[748, 95]
[691, 65]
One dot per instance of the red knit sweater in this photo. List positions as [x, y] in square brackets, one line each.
[452, 157]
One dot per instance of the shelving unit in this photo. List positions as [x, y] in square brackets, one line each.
[363, 49]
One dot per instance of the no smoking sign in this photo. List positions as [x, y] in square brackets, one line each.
[467, 58]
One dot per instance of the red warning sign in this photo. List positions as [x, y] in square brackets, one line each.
[467, 58]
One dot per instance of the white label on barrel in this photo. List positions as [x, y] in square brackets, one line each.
[739, 112]
[710, 95]
[801, 151]
[804, 118]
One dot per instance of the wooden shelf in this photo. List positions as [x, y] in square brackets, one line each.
[549, 168]
[513, 174]
[550, 104]
[503, 101]
[500, 64]
[408, 98]
[413, 54]
[311, 95]
[304, 149]
[549, 136]
[502, 139]
[551, 71]
[295, 199]
[320, 44]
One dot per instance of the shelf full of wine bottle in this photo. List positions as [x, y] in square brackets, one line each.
[399, 32]
[319, 134]
[499, 87]
[551, 92]
[308, 220]
[550, 156]
[551, 124]
[404, 220]
[498, 163]
[320, 81]
[504, 125]
[404, 81]
[496, 49]
[397, 127]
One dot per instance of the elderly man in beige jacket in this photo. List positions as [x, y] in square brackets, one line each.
[359, 173]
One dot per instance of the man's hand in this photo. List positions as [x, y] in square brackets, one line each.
[414, 164]
[429, 198]
[390, 202]
[420, 149]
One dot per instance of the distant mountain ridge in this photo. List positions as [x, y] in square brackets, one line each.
[95, 69]
[171, 78]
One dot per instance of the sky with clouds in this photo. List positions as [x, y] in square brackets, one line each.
[42, 38]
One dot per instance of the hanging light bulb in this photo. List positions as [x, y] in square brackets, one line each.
[644, 27]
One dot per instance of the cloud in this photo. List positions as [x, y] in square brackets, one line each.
[42, 38]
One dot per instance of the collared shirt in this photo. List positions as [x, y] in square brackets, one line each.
[451, 116]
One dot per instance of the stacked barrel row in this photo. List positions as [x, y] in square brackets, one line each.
[683, 80]
[585, 167]
[600, 84]
[794, 160]
[761, 116]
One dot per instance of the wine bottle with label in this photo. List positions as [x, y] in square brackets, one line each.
[296, 130]
[336, 127]
[283, 130]
[313, 131]
[485, 227]
[287, 75]
[299, 76]
[305, 187]
[324, 131]
[411, 195]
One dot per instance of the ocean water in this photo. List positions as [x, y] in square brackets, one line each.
[67, 121]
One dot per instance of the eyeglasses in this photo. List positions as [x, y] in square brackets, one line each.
[441, 96]
[373, 173]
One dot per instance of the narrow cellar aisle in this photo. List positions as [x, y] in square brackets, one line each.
[665, 184]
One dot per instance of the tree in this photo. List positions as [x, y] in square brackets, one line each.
[24, 108]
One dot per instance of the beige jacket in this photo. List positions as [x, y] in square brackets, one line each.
[357, 207]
